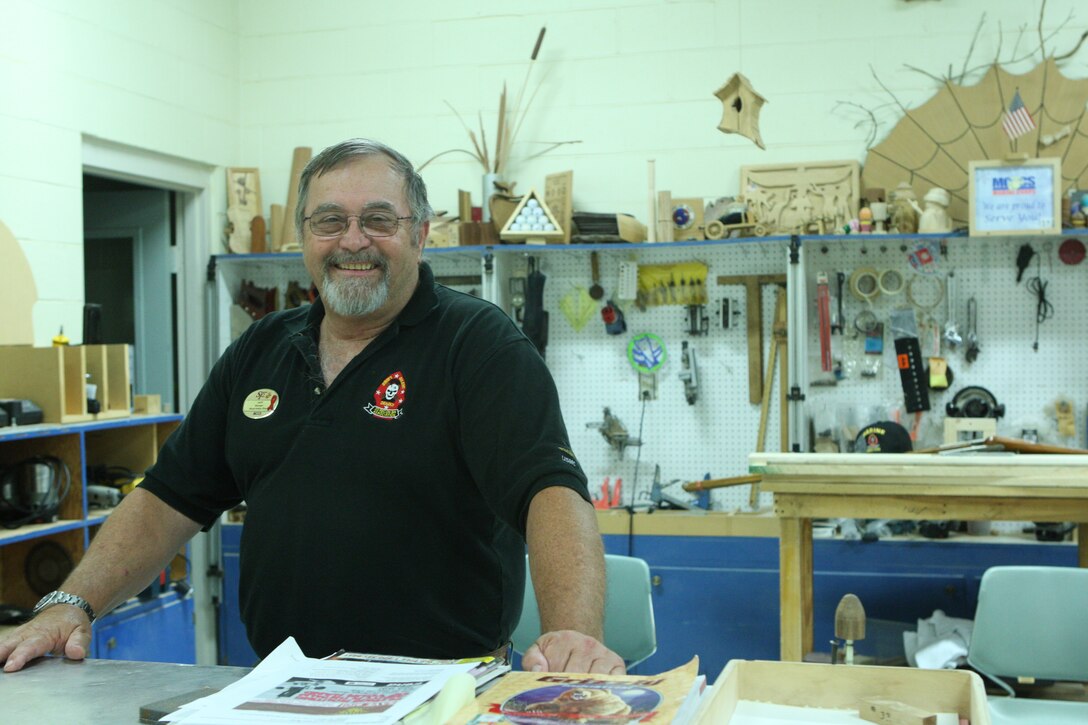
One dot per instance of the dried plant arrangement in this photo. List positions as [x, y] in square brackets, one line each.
[510, 119]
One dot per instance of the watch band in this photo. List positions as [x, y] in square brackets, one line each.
[59, 597]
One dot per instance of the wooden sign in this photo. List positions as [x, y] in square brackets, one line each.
[557, 196]
[1015, 197]
[243, 203]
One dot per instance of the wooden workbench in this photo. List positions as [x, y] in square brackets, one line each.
[971, 487]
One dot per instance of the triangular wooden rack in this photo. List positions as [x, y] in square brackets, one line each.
[531, 237]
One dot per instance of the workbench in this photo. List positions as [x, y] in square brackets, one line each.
[971, 487]
[97, 691]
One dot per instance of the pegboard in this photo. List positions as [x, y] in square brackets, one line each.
[1026, 380]
[264, 270]
[279, 270]
[680, 442]
[713, 437]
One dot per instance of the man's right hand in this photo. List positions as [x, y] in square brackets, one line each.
[61, 630]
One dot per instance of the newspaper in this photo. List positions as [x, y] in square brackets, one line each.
[547, 698]
[288, 687]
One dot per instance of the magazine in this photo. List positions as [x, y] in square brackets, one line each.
[546, 698]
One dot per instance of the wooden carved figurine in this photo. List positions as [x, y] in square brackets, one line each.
[904, 218]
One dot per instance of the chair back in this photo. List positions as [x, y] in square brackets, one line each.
[629, 628]
[1032, 621]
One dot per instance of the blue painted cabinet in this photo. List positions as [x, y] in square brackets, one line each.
[234, 648]
[157, 630]
[718, 596]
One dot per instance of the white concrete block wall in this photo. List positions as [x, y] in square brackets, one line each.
[229, 82]
[155, 75]
[630, 79]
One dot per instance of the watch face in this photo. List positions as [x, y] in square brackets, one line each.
[45, 601]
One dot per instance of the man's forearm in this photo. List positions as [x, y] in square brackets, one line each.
[137, 541]
[566, 559]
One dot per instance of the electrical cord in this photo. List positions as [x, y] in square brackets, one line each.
[630, 508]
[638, 456]
[15, 511]
[1044, 310]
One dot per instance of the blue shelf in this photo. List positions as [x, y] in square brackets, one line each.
[45, 430]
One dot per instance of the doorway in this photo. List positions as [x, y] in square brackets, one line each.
[129, 272]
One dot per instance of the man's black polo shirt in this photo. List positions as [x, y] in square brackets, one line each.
[386, 513]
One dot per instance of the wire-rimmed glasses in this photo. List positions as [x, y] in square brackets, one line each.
[372, 224]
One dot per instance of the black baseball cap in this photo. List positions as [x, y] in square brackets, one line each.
[883, 436]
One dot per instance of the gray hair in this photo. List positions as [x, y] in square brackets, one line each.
[332, 157]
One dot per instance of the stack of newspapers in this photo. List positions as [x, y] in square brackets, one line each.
[346, 687]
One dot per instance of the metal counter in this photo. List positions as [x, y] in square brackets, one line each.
[95, 692]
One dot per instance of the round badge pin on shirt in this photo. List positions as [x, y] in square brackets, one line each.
[260, 403]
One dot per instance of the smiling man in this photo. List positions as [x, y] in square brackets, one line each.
[397, 443]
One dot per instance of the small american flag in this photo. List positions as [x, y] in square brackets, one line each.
[1018, 120]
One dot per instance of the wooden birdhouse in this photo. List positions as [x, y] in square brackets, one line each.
[740, 108]
[531, 222]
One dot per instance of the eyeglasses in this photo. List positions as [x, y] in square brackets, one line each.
[335, 223]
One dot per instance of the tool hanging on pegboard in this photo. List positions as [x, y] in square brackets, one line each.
[647, 353]
[823, 310]
[672, 284]
[908, 358]
[698, 322]
[837, 319]
[689, 373]
[612, 316]
[535, 324]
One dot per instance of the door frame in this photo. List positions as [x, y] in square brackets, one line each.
[196, 184]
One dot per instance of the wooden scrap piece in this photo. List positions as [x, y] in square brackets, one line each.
[754, 311]
[299, 158]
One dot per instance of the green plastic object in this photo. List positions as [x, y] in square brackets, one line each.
[646, 353]
[629, 628]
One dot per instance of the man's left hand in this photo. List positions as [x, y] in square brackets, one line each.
[570, 651]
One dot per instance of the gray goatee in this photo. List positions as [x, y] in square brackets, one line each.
[355, 297]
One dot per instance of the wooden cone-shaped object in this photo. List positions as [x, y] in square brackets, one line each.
[850, 623]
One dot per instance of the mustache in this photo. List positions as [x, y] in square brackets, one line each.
[363, 257]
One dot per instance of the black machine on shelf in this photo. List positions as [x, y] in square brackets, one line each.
[32, 490]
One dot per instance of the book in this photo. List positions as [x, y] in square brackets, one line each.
[546, 698]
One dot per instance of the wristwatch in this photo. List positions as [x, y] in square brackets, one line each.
[59, 597]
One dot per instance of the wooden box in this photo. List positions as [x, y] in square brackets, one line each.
[477, 234]
[54, 378]
[108, 367]
[802, 684]
[147, 404]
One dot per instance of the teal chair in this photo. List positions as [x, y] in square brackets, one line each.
[628, 611]
[1032, 622]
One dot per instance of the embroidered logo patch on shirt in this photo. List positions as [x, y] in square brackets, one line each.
[260, 403]
[389, 397]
